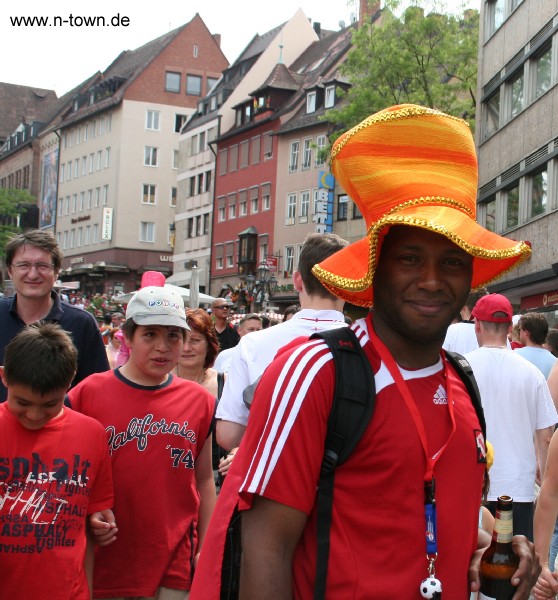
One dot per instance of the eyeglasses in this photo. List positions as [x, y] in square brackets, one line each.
[223, 307]
[194, 341]
[25, 267]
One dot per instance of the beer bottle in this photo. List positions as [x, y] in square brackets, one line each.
[499, 562]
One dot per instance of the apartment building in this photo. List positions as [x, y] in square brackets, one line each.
[119, 160]
[517, 139]
[217, 114]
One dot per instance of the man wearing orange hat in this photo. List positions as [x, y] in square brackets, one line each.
[412, 171]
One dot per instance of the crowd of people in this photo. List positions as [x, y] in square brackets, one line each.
[133, 439]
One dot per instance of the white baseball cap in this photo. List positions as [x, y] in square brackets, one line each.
[154, 305]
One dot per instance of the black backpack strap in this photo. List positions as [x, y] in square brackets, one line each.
[465, 372]
[351, 411]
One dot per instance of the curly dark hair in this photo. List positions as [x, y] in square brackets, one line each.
[200, 321]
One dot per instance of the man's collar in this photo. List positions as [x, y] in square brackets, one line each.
[55, 313]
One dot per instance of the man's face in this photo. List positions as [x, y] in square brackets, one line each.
[117, 320]
[32, 272]
[221, 310]
[249, 326]
[422, 280]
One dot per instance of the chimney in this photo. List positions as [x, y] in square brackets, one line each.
[217, 38]
[368, 8]
[318, 28]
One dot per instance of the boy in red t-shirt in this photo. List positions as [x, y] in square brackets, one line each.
[55, 471]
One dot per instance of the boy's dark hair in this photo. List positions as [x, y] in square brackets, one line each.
[37, 238]
[42, 357]
[537, 326]
[317, 247]
[107, 318]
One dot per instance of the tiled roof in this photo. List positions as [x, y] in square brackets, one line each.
[19, 103]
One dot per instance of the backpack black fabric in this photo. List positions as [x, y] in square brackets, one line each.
[351, 410]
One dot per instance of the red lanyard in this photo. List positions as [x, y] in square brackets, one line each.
[403, 389]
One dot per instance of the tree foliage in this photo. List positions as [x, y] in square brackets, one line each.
[11, 208]
[419, 57]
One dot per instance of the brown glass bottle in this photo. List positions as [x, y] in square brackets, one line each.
[499, 562]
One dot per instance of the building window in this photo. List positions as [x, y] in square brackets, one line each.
[490, 215]
[329, 96]
[175, 159]
[495, 11]
[211, 82]
[267, 146]
[96, 233]
[306, 154]
[244, 149]
[99, 159]
[320, 150]
[289, 259]
[516, 87]
[97, 197]
[221, 210]
[107, 157]
[543, 72]
[83, 165]
[87, 240]
[150, 156]
[356, 212]
[311, 102]
[492, 114]
[153, 120]
[293, 160]
[242, 203]
[232, 206]
[173, 195]
[512, 207]
[91, 162]
[62, 172]
[233, 158]
[190, 228]
[74, 203]
[200, 183]
[539, 194]
[193, 85]
[223, 157]
[105, 195]
[291, 210]
[255, 150]
[172, 82]
[89, 198]
[147, 231]
[76, 168]
[206, 220]
[219, 251]
[266, 197]
[179, 121]
[207, 187]
[304, 206]
[342, 208]
[81, 201]
[230, 255]
[149, 191]
[254, 200]
[195, 51]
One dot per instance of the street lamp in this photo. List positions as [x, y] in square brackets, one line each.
[262, 288]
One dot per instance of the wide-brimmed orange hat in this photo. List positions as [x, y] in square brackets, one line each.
[411, 165]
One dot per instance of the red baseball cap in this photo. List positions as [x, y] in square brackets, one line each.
[491, 304]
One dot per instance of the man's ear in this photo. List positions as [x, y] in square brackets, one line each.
[2, 376]
[297, 281]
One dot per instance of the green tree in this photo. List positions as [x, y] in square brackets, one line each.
[12, 203]
[419, 57]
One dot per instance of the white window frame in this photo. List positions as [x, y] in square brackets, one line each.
[290, 215]
[149, 194]
[329, 97]
[306, 154]
[311, 102]
[294, 153]
[147, 232]
[150, 156]
[153, 120]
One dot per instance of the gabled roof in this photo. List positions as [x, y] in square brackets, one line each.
[233, 75]
[281, 78]
[23, 104]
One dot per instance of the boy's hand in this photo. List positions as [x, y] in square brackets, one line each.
[102, 527]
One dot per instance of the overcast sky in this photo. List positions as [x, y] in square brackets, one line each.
[61, 57]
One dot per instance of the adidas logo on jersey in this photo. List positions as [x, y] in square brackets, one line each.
[440, 397]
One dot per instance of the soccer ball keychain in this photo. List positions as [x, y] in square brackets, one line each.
[431, 587]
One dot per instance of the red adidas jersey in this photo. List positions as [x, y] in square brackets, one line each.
[378, 522]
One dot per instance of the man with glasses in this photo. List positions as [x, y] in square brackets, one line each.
[226, 333]
[33, 260]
